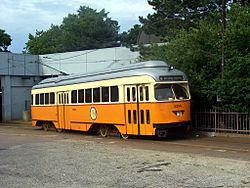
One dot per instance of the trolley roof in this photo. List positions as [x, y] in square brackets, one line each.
[158, 70]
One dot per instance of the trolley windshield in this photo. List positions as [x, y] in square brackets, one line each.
[166, 92]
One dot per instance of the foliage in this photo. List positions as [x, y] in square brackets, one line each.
[130, 37]
[45, 42]
[5, 41]
[88, 29]
[197, 52]
[173, 15]
[236, 83]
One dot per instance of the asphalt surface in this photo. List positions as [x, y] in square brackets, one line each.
[31, 157]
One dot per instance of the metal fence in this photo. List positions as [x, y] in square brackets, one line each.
[217, 121]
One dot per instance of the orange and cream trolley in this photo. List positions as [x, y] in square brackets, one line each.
[148, 98]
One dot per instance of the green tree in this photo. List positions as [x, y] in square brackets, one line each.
[172, 15]
[198, 53]
[235, 88]
[130, 37]
[45, 42]
[88, 29]
[5, 41]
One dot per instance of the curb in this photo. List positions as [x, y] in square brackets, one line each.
[220, 134]
[18, 123]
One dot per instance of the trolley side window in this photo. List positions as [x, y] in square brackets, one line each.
[133, 94]
[142, 116]
[88, 95]
[66, 98]
[114, 94]
[141, 94]
[59, 98]
[147, 116]
[146, 93]
[37, 99]
[128, 94]
[105, 94]
[134, 117]
[41, 98]
[81, 96]
[74, 96]
[52, 98]
[32, 99]
[96, 95]
[46, 98]
[129, 117]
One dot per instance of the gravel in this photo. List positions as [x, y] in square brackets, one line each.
[71, 163]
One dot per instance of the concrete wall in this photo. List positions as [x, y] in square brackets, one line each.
[18, 64]
[18, 73]
[16, 95]
[6, 98]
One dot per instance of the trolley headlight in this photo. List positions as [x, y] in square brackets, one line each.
[179, 113]
[170, 68]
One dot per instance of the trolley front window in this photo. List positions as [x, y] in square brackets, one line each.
[165, 92]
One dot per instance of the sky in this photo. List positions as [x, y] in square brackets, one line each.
[21, 17]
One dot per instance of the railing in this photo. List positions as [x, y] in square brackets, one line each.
[217, 121]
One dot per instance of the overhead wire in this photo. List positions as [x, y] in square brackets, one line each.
[25, 67]
[52, 60]
[91, 62]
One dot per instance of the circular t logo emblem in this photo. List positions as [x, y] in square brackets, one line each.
[93, 113]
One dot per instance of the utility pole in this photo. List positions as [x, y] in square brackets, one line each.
[223, 25]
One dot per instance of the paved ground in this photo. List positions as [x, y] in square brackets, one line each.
[30, 157]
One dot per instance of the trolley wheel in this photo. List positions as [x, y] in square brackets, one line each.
[104, 130]
[124, 136]
[46, 126]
